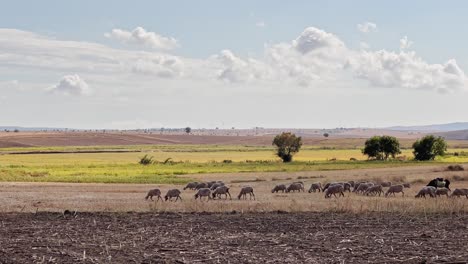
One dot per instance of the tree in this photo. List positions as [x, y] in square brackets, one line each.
[429, 147]
[188, 130]
[287, 144]
[381, 147]
[326, 135]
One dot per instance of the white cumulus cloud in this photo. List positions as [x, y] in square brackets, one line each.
[367, 27]
[139, 36]
[71, 85]
[405, 43]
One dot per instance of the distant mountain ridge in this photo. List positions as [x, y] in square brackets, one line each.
[436, 127]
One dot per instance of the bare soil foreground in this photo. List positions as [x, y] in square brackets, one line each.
[233, 238]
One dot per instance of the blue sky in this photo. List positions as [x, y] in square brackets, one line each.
[263, 65]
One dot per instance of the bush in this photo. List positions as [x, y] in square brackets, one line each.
[227, 161]
[429, 147]
[455, 168]
[287, 144]
[146, 160]
[381, 147]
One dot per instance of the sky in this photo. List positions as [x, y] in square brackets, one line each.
[206, 64]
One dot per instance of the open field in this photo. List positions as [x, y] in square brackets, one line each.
[76, 164]
[233, 238]
[32, 197]
[91, 139]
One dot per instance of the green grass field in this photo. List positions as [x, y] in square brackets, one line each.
[186, 159]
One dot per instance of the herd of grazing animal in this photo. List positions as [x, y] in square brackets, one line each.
[204, 190]
[217, 190]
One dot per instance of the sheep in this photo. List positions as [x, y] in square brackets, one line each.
[220, 191]
[363, 187]
[246, 190]
[295, 186]
[210, 183]
[442, 191]
[347, 186]
[191, 185]
[351, 183]
[315, 186]
[203, 192]
[216, 185]
[279, 187]
[201, 185]
[460, 192]
[334, 189]
[430, 190]
[395, 189]
[386, 184]
[173, 193]
[154, 192]
[375, 189]
[407, 185]
[325, 187]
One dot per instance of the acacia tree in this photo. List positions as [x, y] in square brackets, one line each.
[287, 144]
[188, 130]
[429, 147]
[381, 147]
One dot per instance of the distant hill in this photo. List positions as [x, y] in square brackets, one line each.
[433, 128]
[454, 135]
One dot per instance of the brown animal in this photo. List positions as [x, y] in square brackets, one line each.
[334, 189]
[154, 192]
[246, 190]
[203, 192]
[429, 190]
[279, 187]
[374, 190]
[316, 186]
[295, 186]
[460, 192]
[395, 189]
[173, 193]
[220, 191]
[442, 191]
[191, 185]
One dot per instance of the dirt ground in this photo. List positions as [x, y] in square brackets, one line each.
[233, 238]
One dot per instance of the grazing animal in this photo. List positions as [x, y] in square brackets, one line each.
[429, 190]
[279, 187]
[191, 185]
[203, 192]
[407, 185]
[442, 191]
[295, 186]
[220, 191]
[386, 184]
[334, 189]
[460, 192]
[316, 186]
[154, 192]
[347, 186]
[246, 190]
[351, 183]
[363, 187]
[201, 185]
[216, 185]
[374, 190]
[173, 193]
[395, 189]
